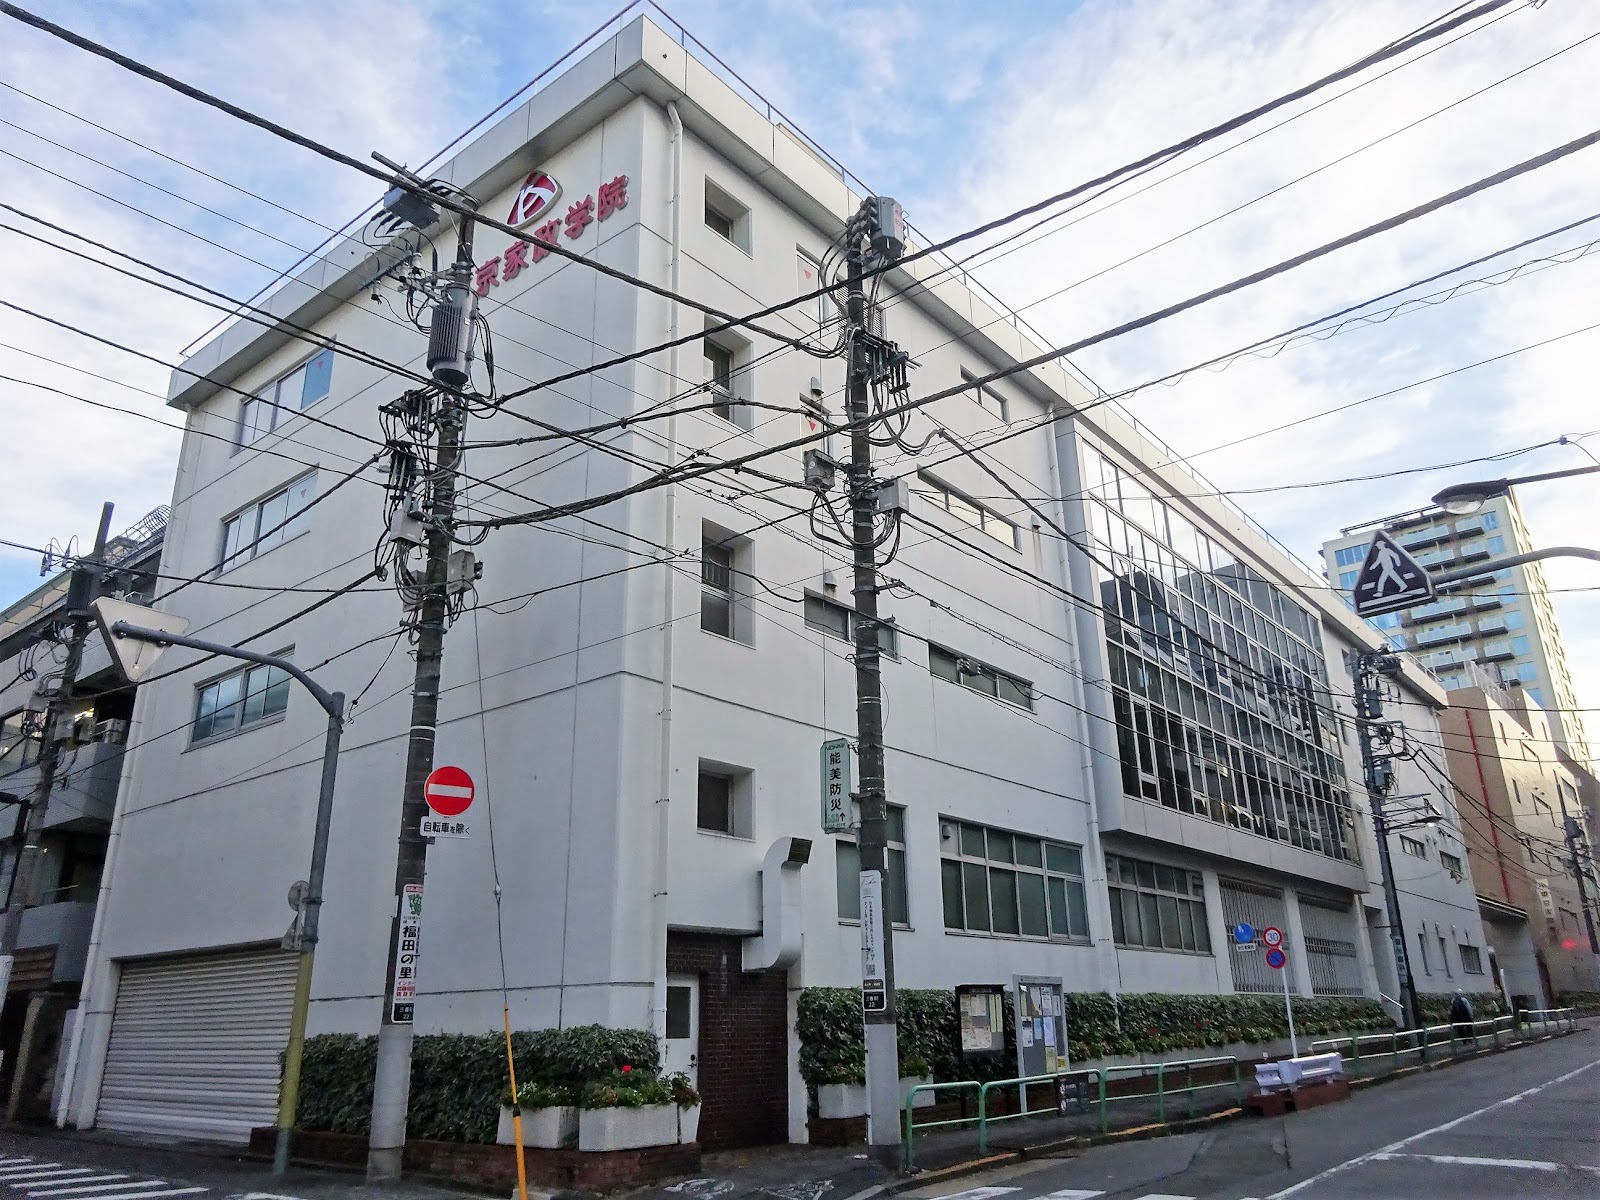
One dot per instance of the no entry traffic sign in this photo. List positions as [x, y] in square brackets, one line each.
[448, 791]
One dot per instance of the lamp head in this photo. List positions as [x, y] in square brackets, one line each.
[1463, 499]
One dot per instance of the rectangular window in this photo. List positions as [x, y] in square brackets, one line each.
[847, 862]
[1413, 847]
[727, 217]
[1471, 960]
[714, 804]
[1349, 556]
[808, 278]
[239, 700]
[1444, 957]
[716, 589]
[1451, 863]
[1513, 619]
[1155, 906]
[988, 399]
[1011, 884]
[1491, 520]
[1519, 644]
[1496, 544]
[838, 621]
[980, 677]
[274, 404]
[1422, 953]
[1347, 579]
[268, 523]
[968, 511]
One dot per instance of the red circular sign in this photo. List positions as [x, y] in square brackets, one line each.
[1276, 959]
[448, 791]
[1272, 936]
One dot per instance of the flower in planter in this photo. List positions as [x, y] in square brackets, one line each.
[684, 1093]
[544, 1095]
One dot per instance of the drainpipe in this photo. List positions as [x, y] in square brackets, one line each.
[669, 532]
[1483, 786]
[1080, 581]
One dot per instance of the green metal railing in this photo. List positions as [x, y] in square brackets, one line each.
[1369, 1047]
[1171, 1080]
[1570, 1015]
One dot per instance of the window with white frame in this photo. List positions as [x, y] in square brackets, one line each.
[967, 510]
[1155, 906]
[268, 523]
[722, 800]
[727, 385]
[727, 217]
[847, 863]
[1413, 847]
[988, 399]
[1451, 863]
[1013, 884]
[239, 700]
[716, 589]
[980, 677]
[839, 621]
[274, 404]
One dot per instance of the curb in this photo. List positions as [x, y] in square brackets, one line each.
[1138, 1133]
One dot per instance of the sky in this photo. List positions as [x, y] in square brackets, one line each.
[963, 111]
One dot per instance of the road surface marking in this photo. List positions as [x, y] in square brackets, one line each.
[1072, 1194]
[980, 1193]
[1516, 1164]
[1415, 1137]
[189, 1191]
[8, 1172]
[54, 1171]
[99, 1183]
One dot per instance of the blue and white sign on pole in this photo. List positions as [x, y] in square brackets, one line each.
[1244, 933]
[1276, 958]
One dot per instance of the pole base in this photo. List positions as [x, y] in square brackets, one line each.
[383, 1166]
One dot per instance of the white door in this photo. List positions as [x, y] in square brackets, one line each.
[195, 1044]
[681, 1049]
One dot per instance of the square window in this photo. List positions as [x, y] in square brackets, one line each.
[714, 804]
[831, 618]
[727, 217]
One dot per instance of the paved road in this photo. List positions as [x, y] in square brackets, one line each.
[1523, 1125]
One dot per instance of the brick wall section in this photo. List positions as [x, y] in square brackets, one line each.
[744, 1043]
[495, 1167]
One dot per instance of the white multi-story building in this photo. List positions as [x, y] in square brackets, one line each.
[1096, 764]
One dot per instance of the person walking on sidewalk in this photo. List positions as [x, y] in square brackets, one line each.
[1461, 1014]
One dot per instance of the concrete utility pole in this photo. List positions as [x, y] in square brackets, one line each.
[877, 932]
[1574, 832]
[87, 575]
[391, 1091]
[1372, 668]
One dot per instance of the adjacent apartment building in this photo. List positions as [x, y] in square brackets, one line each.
[1518, 790]
[1102, 751]
[53, 947]
[1503, 620]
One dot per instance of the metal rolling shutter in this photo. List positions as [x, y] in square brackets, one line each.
[195, 1044]
[1261, 907]
[1330, 933]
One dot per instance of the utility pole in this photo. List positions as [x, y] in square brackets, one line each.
[81, 592]
[449, 353]
[1372, 668]
[1574, 831]
[877, 931]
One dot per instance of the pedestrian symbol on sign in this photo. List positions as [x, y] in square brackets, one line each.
[1390, 579]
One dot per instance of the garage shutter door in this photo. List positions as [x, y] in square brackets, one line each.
[195, 1044]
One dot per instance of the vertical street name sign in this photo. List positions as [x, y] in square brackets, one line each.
[403, 1004]
[836, 786]
[874, 988]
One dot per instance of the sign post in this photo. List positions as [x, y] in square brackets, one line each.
[1390, 579]
[1041, 1028]
[1277, 960]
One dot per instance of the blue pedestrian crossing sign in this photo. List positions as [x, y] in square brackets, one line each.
[1244, 933]
[1390, 579]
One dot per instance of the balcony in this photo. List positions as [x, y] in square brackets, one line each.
[1482, 600]
[65, 926]
[1444, 633]
[1425, 536]
[86, 785]
[1438, 608]
[1434, 558]
[1472, 551]
[1494, 651]
[1469, 525]
[1492, 625]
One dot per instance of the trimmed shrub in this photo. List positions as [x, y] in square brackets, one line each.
[458, 1080]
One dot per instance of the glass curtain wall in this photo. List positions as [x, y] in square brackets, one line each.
[1218, 678]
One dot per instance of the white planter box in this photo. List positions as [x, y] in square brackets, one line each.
[924, 1099]
[689, 1124]
[543, 1128]
[627, 1128]
[835, 1100]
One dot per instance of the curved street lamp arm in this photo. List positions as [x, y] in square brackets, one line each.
[1516, 560]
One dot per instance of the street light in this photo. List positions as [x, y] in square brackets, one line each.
[134, 648]
[1463, 499]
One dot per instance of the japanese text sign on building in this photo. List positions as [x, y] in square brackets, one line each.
[403, 1004]
[534, 200]
[444, 827]
[836, 786]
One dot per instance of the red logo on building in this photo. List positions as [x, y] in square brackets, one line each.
[537, 193]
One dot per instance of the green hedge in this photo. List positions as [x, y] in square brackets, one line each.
[458, 1079]
[832, 1048]
[1436, 1008]
[1579, 1000]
